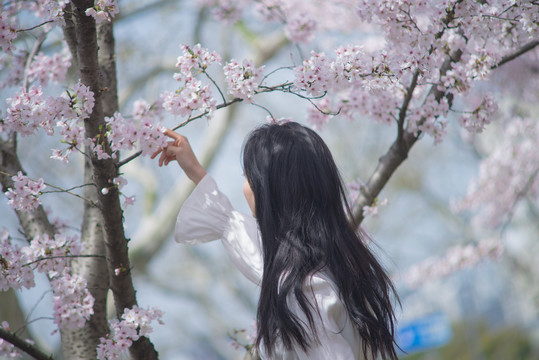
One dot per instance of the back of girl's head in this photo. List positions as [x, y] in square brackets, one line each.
[300, 206]
[291, 171]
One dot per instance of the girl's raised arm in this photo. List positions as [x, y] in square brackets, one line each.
[181, 151]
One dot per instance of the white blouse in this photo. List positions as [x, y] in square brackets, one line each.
[207, 215]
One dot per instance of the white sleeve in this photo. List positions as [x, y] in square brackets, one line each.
[208, 215]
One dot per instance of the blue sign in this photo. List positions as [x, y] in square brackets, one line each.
[430, 331]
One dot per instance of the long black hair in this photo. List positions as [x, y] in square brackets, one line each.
[305, 223]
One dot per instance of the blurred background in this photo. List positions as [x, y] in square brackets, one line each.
[486, 311]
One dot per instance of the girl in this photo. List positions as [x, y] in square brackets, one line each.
[323, 294]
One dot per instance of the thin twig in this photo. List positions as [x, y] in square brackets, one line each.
[274, 71]
[265, 109]
[32, 321]
[216, 86]
[63, 257]
[30, 57]
[67, 191]
[34, 27]
[31, 311]
[235, 100]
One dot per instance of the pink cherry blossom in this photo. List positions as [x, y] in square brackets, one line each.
[14, 273]
[475, 120]
[49, 10]
[73, 303]
[300, 28]
[143, 129]
[455, 258]
[84, 100]
[7, 32]
[243, 78]
[103, 10]
[49, 68]
[28, 111]
[508, 175]
[129, 200]
[120, 182]
[134, 323]
[196, 59]
[24, 195]
[52, 254]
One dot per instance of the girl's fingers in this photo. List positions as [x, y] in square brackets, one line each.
[162, 157]
[156, 153]
[172, 134]
[163, 149]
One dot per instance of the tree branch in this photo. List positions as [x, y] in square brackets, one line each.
[397, 153]
[220, 106]
[69, 34]
[24, 345]
[405, 104]
[528, 47]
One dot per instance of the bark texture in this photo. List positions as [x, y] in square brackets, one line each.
[104, 171]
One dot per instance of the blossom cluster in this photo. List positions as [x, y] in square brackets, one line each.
[24, 195]
[455, 258]
[51, 254]
[29, 110]
[418, 38]
[475, 120]
[196, 59]
[15, 273]
[73, 303]
[142, 129]
[50, 12]
[103, 10]
[509, 174]
[8, 33]
[49, 68]
[134, 323]
[300, 28]
[242, 78]
[299, 18]
[17, 64]
[427, 118]
[192, 94]
[357, 84]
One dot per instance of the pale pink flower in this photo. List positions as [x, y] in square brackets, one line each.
[14, 272]
[243, 78]
[24, 195]
[103, 10]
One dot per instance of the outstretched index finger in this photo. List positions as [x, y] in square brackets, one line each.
[172, 134]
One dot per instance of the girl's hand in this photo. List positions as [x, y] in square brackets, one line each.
[180, 150]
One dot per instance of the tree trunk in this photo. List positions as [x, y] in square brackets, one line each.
[104, 171]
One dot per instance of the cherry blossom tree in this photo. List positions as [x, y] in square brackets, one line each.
[426, 66]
